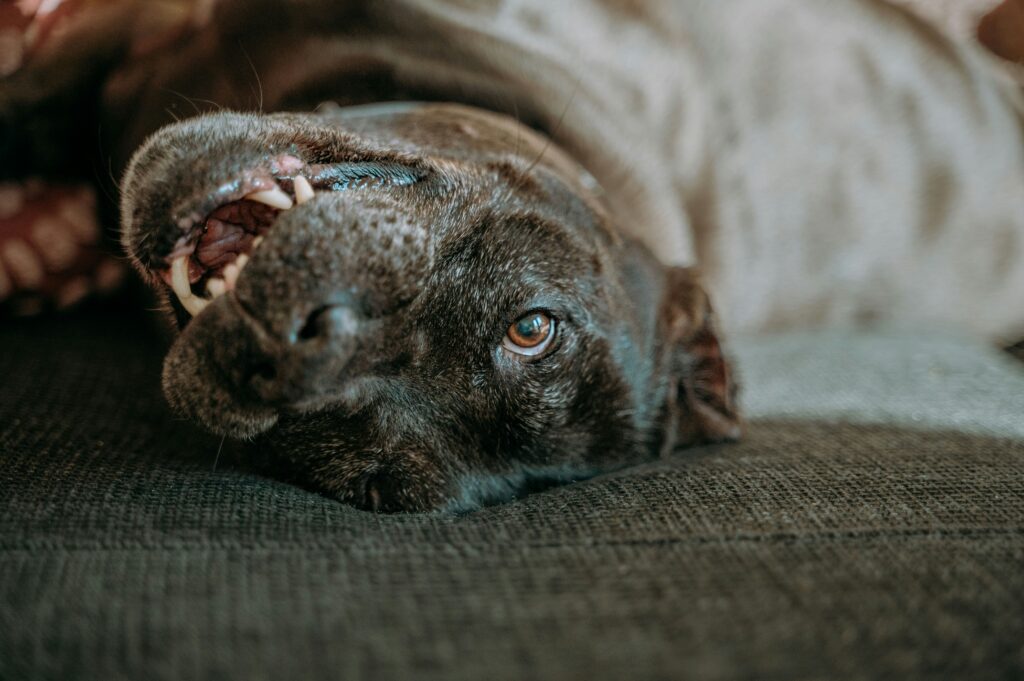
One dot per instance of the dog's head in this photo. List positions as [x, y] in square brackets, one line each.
[418, 307]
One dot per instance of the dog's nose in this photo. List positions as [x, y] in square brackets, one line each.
[235, 373]
[325, 322]
[321, 304]
[305, 363]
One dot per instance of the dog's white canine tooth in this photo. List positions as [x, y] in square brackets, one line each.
[241, 261]
[256, 242]
[195, 305]
[303, 190]
[216, 287]
[230, 275]
[179, 282]
[179, 277]
[275, 198]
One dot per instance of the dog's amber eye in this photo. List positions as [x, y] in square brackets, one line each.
[530, 335]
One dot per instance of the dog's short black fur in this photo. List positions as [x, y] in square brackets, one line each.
[363, 344]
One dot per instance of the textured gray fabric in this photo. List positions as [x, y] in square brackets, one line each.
[911, 380]
[811, 550]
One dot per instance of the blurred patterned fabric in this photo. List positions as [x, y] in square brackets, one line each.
[51, 252]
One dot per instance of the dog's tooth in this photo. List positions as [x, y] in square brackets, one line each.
[180, 284]
[256, 242]
[179, 277]
[230, 275]
[195, 304]
[275, 198]
[303, 190]
[241, 261]
[216, 287]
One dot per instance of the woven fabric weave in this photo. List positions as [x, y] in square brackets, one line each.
[813, 549]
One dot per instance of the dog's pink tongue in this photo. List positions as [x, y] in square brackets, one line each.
[231, 230]
[222, 242]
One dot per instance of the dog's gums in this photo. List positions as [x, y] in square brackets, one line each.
[230, 235]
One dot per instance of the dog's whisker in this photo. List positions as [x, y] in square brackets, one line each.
[217, 457]
[255, 73]
[216, 287]
[558, 126]
[187, 99]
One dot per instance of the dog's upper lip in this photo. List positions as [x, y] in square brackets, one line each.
[193, 211]
[224, 218]
[279, 173]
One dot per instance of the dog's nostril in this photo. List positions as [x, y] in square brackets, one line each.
[291, 369]
[329, 322]
[315, 324]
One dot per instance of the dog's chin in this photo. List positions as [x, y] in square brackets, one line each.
[333, 452]
[408, 478]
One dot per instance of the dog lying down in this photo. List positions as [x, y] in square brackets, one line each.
[422, 306]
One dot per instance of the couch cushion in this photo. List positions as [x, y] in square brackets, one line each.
[921, 381]
[837, 541]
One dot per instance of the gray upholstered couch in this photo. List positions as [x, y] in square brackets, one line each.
[870, 526]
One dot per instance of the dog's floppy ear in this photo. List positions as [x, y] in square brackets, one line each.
[701, 394]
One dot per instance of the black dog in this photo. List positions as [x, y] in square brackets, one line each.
[440, 314]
